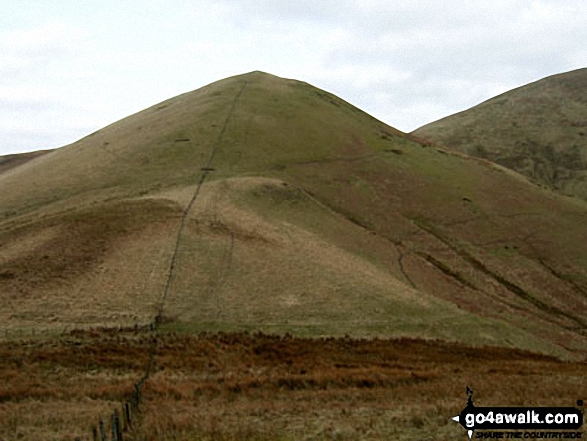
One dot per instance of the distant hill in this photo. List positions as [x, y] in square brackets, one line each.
[9, 161]
[262, 203]
[538, 130]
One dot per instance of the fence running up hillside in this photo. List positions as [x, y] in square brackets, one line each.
[118, 426]
[120, 421]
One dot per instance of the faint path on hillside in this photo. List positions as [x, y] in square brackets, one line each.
[205, 172]
[224, 270]
[226, 262]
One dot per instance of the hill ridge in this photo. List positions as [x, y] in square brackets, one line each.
[538, 130]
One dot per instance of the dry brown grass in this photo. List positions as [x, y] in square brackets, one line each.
[93, 267]
[57, 388]
[260, 387]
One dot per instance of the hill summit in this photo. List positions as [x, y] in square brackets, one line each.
[262, 203]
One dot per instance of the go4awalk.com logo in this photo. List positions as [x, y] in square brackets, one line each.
[508, 422]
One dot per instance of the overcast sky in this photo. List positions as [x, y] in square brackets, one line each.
[69, 67]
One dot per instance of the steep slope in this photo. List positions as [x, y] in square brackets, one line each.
[539, 130]
[263, 203]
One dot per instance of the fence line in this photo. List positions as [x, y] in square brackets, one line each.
[34, 332]
[121, 420]
[206, 170]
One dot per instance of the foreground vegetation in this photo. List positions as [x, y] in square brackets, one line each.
[229, 386]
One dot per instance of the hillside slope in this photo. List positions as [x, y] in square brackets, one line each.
[539, 130]
[10, 161]
[263, 203]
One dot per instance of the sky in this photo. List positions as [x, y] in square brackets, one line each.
[70, 67]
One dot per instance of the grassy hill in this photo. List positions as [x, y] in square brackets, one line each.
[9, 161]
[538, 130]
[260, 203]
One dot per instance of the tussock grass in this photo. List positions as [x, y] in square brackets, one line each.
[259, 387]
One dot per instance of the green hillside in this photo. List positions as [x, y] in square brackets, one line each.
[538, 130]
[261, 203]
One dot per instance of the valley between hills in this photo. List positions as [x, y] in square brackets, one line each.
[266, 248]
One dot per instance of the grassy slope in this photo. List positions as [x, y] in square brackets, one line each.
[539, 130]
[10, 161]
[318, 219]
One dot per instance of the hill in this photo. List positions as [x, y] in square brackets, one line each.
[260, 203]
[538, 130]
[9, 161]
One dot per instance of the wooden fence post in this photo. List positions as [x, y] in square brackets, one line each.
[137, 397]
[117, 425]
[127, 414]
[122, 419]
[113, 427]
[102, 431]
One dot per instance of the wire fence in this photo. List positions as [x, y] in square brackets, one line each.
[117, 426]
[39, 332]
[120, 421]
[24, 333]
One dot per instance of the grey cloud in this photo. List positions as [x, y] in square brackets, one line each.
[304, 10]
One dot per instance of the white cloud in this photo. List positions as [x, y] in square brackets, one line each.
[51, 35]
[37, 67]
[25, 47]
[15, 97]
